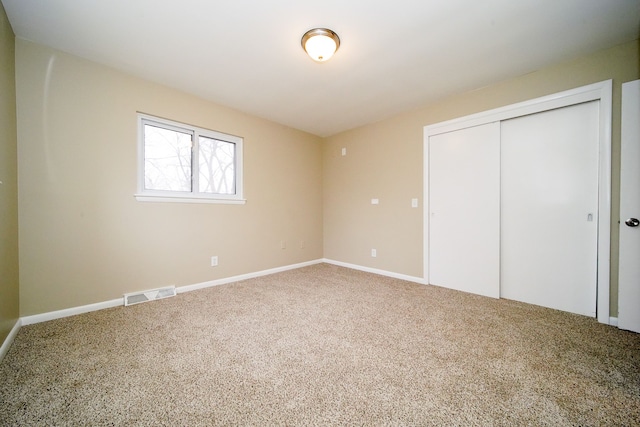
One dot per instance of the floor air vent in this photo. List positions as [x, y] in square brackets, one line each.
[150, 295]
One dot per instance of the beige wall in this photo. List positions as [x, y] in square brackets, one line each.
[384, 160]
[83, 236]
[9, 178]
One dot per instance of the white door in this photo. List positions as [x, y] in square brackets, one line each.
[464, 209]
[549, 212]
[629, 264]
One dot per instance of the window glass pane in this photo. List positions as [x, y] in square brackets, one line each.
[167, 159]
[217, 166]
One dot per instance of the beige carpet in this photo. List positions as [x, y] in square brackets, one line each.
[322, 345]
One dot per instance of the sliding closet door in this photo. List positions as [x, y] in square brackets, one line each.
[549, 212]
[464, 210]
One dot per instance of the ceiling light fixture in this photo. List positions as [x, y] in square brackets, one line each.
[320, 43]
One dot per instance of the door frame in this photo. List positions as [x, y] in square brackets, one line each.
[601, 91]
[628, 270]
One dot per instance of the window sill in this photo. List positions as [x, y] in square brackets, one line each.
[187, 199]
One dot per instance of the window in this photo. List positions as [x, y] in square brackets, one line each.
[183, 163]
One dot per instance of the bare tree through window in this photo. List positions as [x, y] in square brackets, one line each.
[167, 159]
[184, 161]
[217, 166]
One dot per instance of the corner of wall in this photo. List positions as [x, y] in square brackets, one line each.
[9, 286]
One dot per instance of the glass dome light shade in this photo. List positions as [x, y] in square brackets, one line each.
[320, 44]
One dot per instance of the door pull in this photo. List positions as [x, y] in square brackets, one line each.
[632, 222]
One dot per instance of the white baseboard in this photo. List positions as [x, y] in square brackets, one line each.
[59, 314]
[9, 340]
[377, 271]
[44, 317]
[189, 288]
[613, 321]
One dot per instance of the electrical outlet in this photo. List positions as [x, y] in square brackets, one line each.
[344, 151]
[374, 253]
[301, 244]
[414, 203]
[214, 261]
[375, 201]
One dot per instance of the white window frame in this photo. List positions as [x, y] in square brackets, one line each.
[193, 196]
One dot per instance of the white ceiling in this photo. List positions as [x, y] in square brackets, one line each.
[394, 55]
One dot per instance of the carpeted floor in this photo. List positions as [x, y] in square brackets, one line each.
[322, 345]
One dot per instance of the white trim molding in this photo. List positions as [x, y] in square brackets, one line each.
[67, 312]
[203, 285]
[400, 276]
[201, 200]
[602, 92]
[52, 315]
[9, 339]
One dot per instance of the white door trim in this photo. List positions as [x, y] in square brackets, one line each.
[602, 92]
[628, 269]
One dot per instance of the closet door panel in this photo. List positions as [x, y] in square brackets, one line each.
[464, 210]
[549, 208]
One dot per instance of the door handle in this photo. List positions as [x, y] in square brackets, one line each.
[632, 222]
